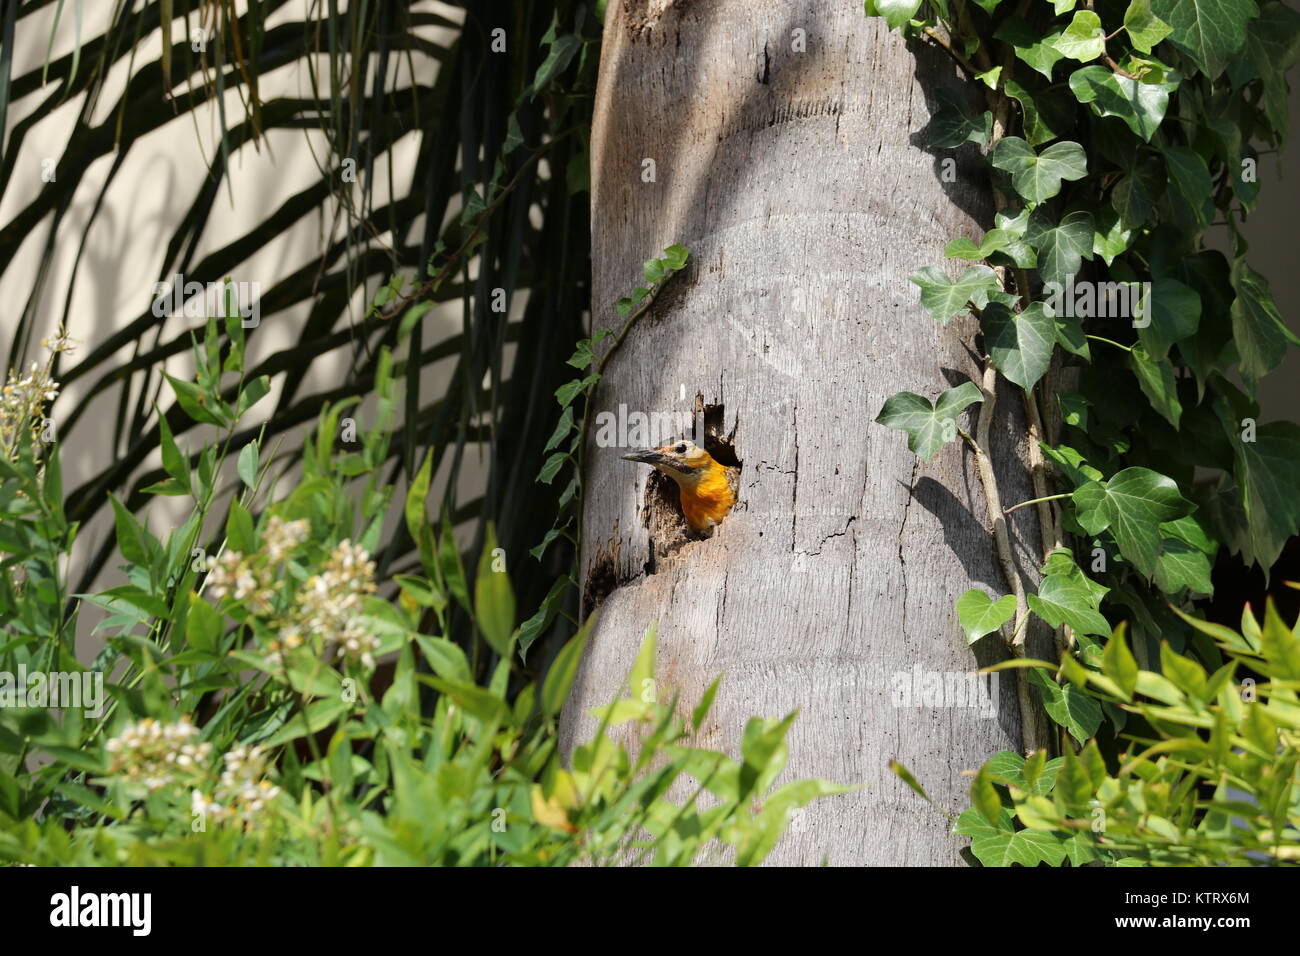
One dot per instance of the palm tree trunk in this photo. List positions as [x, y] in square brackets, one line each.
[774, 140]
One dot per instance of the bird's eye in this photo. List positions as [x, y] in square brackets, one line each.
[681, 449]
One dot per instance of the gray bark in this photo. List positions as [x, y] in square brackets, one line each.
[793, 179]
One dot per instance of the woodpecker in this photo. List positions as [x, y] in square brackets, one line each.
[708, 489]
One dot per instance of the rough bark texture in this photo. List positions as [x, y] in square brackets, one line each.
[794, 180]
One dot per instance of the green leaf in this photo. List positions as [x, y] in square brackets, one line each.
[174, 461]
[555, 689]
[1118, 663]
[906, 776]
[1175, 314]
[1258, 331]
[1140, 105]
[1182, 566]
[980, 614]
[1272, 48]
[1061, 247]
[943, 297]
[240, 535]
[1083, 39]
[1034, 123]
[1038, 176]
[676, 256]
[1159, 383]
[193, 402]
[895, 12]
[928, 427]
[1133, 504]
[1020, 343]
[984, 796]
[562, 429]
[567, 392]
[1268, 472]
[1144, 28]
[1110, 237]
[133, 539]
[494, 601]
[1190, 192]
[1037, 52]
[1001, 844]
[552, 467]
[417, 520]
[1209, 31]
[953, 122]
[1068, 599]
[1068, 706]
[246, 466]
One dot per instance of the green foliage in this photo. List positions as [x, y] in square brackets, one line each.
[1100, 194]
[1207, 776]
[243, 721]
[1134, 130]
[445, 174]
[928, 426]
[571, 429]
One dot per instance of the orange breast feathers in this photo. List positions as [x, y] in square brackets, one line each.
[708, 489]
[707, 501]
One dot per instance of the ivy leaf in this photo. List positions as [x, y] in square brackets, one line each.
[1068, 706]
[1083, 39]
[1062, 6]
[562, 429]
[1270, 487]
[1004, 845]
[1258, 331]
[928, 427]
[1020, 343]
[1034, 119]
[567, 392]
[1175, 314]
[1037, 52]
[1134, 195]
[1074, 409]
[1209, 31]
[953, 122]
[1110, 236]
[552, 467]
[980, 614]
[1190, 193]
[676, 256]
[943, 298]
[1272, 48]
[1141, 105]
[1069, 599]
[1038, 176]
[1159, 383]
[895, 12]
[1144, 28]
[1061, 247]
[1182, 566]
[1133, 504]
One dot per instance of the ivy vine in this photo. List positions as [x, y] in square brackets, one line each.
[1115, 134]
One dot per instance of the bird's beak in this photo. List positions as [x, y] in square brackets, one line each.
[648, 456]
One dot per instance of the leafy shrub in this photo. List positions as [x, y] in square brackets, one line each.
[242, 723]
[1208, 776]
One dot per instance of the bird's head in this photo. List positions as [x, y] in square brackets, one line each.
[682, 460]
